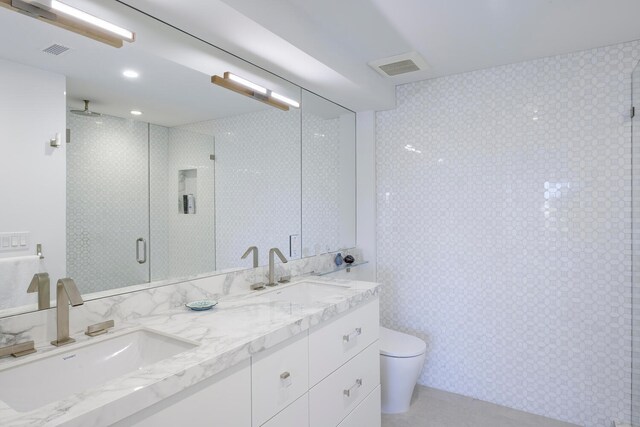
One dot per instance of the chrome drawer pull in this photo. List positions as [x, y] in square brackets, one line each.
[352, 335]
[353, 388]
[285, 377]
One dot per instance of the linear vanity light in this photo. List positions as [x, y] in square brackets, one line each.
[247, 88]
[286, 100]
[246, 83]
[72, 19]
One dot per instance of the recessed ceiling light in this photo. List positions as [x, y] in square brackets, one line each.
[136, 112]
[131, 74]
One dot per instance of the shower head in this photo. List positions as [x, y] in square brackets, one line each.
[86, 112]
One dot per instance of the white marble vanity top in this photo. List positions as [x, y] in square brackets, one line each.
[236, 328]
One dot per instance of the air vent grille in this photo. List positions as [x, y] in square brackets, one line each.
[399, 67]
[55, 49]
[399, 64]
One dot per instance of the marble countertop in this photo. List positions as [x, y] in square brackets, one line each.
[239, 326]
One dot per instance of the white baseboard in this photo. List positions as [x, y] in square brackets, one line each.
[621, 424]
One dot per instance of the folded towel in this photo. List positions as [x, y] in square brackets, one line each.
[15, 275]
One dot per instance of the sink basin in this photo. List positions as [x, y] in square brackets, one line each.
[306, 293]
[42, 380]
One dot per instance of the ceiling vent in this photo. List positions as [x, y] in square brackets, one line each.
[55, 49]
[399, 64]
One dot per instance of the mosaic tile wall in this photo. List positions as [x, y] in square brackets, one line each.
[192, 248]
[504, 232]
[107, 201]
[635, 402]
[160, 202]
[257, 188]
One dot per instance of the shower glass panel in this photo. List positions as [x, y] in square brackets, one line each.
[182, 234]
[107, 202]
[635, 147]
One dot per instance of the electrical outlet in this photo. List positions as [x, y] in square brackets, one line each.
[294, 246]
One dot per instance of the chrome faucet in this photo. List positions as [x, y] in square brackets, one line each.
[66, 292]
[42, 285]
[253, 249]
[272, 251]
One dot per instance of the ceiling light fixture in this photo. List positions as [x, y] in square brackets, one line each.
[247, 88]
[131, 74]
[72, 19]
[136, 112]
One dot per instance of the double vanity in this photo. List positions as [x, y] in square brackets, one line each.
[300, 354]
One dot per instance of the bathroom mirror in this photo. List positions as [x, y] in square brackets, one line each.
[114, 198]
[328, 176]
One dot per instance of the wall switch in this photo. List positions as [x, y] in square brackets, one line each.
[14, 241]
[294, 246]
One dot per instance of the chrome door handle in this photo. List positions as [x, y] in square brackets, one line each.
[144, 250]
[347, 392]
[352, 335]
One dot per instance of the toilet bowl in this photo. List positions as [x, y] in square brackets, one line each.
[401, 360]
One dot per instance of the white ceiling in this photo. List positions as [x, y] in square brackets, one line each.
[326, 45]
[168, 92]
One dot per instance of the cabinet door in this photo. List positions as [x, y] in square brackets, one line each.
[279, 376]
[331, 345]
[223, 400]
[294, 415]
[331, 400]
[366, 414]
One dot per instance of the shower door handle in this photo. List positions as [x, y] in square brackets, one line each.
[144, 250]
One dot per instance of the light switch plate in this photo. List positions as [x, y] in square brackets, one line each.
[15, 241]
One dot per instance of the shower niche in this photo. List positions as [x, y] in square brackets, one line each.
[187, 191]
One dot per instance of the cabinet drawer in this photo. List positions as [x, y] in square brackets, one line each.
[279, 376]
[367, 413]
[330, 346]
[338, 394]
[223, 399]
[294, 415]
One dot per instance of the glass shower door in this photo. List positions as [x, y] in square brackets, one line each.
[107, 202]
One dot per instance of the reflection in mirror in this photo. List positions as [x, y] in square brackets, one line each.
[257, 183]
[328, 176]
[161, 175]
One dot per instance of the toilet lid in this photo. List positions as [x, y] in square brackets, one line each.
[398, 344]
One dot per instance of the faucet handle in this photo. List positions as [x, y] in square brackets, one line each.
[99, 328]
[18, 350]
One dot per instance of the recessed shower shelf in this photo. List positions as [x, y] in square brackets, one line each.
[344, 266]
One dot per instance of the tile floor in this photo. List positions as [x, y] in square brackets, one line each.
[436, 408]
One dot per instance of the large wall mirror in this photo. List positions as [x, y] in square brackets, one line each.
[128, 166]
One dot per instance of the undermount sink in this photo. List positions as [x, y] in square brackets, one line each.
[306, 293]
[40, 380]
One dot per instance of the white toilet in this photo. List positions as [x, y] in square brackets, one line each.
[401, 360]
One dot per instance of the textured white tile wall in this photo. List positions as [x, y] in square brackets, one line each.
[257, 186]
[504, 231]
[191, 236]
[160, 202]
[635, 403]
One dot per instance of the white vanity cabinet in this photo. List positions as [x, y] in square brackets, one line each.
[279, 376]
[222, 400]
[344, 374]
[328, 376]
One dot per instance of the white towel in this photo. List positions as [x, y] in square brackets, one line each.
[15, 275]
